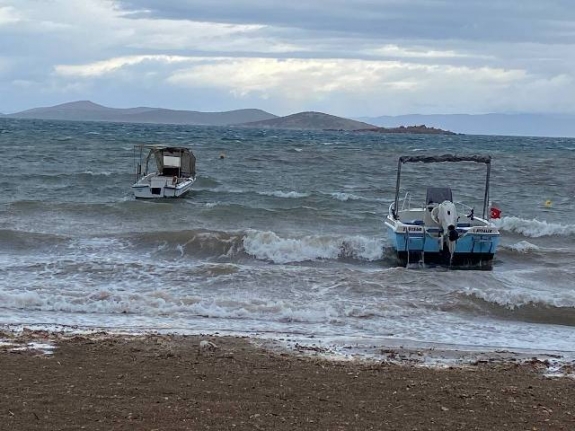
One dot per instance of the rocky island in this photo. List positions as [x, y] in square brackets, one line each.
[417, 130]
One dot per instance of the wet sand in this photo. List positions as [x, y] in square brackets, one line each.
[169, 382]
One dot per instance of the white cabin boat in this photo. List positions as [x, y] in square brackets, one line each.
[441, 230]
[171, 176]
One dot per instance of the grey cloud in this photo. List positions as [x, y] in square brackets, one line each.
[532, 39]
[488, 20]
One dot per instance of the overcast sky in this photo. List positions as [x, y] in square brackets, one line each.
[349, 58]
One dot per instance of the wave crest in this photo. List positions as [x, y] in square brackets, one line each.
[280, 194]
[534, 228]
[524, 247]
[527, 306]
[269, 246]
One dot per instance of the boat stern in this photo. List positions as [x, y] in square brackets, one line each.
[414, 242]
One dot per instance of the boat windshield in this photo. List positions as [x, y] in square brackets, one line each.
[172, 161]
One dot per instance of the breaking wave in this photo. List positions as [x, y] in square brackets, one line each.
[524, 247]
[269, 246]
[534, 228]
[261, 245]
[159, 303]
[524, 305]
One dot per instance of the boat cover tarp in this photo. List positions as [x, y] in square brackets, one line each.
[445, 158]
[188, 165]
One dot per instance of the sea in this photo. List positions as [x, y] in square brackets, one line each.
[281, 238]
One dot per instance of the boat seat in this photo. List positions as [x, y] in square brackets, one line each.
[170, 172]
[414, 222]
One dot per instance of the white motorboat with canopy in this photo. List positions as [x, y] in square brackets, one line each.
[173, 176]
[441, 230]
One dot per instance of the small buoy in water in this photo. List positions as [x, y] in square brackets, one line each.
[548, 203]
[222, 156]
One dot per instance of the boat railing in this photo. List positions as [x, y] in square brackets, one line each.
[406, 200]
[464, 210]
[405, 203]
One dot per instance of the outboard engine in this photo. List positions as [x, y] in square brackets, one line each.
[446, 215]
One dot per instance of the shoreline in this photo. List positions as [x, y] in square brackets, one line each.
[385, 350]
[102, 381]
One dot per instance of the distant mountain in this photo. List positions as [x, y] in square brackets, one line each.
[488, 124]
[88, 111]
[310, 120]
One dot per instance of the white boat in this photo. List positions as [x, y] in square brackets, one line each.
[171, 175]
[442, 231]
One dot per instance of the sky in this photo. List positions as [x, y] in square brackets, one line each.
[351, 58]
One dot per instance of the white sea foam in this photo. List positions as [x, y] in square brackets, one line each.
[159, 303]
[104, 173]
[534, 228]
[231, 190]
[269, 246]
[280, 194]
[345, 196]
[524, 247]
[512, 299]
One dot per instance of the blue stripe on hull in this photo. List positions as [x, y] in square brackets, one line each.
[471, 249]
[470, 243]
[477, 244]
[413, 242]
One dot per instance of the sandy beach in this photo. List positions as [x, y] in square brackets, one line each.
[169, 382]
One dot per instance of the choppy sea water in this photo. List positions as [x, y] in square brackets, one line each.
[283, 238]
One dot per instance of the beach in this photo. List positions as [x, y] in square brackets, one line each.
[100, 381]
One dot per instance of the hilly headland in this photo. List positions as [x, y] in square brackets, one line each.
[85, 110]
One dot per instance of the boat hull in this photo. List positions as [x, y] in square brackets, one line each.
[459, 260]
[161, 188]
[413, 244]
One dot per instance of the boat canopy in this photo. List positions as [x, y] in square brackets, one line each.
[443, 158]
[176, 161]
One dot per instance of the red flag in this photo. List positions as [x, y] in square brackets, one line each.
[495, 212]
